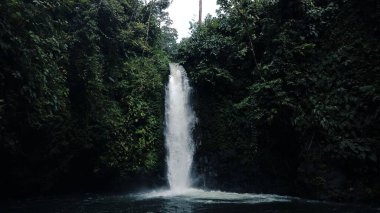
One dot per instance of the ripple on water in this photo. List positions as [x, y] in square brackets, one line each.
[203, 196]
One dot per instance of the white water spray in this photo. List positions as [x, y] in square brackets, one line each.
[179, 124]
[180, 120]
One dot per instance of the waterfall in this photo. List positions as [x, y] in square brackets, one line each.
[179, 123]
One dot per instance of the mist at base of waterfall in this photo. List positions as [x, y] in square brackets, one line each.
[200, 195]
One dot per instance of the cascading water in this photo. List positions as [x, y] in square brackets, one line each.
[179, 124]
[180, 119]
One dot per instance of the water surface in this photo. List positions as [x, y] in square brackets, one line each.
[193, 200]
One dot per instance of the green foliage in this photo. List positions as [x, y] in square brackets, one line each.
[142, 127]
[81, 91]
[313, 93]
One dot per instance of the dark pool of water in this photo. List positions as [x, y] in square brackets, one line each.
[132, 203]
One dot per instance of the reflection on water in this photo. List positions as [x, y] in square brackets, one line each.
[192, 201]
[176, 205]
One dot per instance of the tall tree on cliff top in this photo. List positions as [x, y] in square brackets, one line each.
[200, 12]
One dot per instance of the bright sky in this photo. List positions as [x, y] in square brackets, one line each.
[184, 11]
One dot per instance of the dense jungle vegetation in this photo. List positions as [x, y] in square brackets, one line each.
[288, 97]
[286, 93]
[81, 93]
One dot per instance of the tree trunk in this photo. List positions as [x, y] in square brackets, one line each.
[200, 12]
[246, 24]
[147, 29]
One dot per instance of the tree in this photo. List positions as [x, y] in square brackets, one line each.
[200, 12]
[311, 110]
[80, 92]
